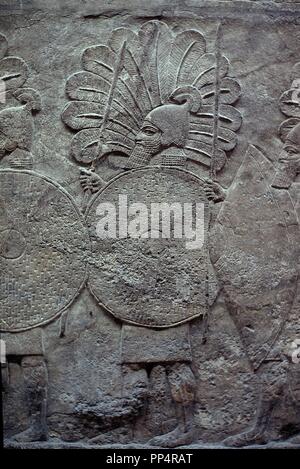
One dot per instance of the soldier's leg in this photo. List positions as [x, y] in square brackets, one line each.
[35, 380]
[294, 388]
[273, 378]
[135, 380]
[295, 440]
[4, 376]
[183, 385]
[112, 413]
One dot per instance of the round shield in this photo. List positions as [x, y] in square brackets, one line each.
[149, 264]
[43, 246]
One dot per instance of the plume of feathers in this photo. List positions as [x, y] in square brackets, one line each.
[289, 104]
[134, 73]
[13, 70]
[13, 75]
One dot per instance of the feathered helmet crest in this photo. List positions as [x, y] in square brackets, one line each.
[137, 73]
[289, 104]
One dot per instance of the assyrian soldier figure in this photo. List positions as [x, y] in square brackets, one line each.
[22, 348]
[164, 128]
[151, 103]
[260, 285]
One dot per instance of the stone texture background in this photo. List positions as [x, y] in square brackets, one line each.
[261, 39]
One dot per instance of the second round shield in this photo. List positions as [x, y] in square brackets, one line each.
[142, 271]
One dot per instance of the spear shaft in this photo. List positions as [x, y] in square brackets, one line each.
[117, 71]
[216, 104]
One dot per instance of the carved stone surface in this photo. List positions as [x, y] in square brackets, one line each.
[136, 340]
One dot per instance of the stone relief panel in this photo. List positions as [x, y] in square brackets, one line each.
[132, 338]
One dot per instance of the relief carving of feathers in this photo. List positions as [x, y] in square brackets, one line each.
[137, 72]
[289, 104]
[13, 71]
[13, 76]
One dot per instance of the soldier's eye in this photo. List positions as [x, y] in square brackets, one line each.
[149, 130]
[292, 151]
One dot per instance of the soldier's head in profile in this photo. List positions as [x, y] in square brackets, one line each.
[166, 126]
[15, 130]
[16, 123]
[289, 131]
[289, 159]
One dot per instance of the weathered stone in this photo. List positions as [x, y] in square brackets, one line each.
[145, 345]
[26, 343]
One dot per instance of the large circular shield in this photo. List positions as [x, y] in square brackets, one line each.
[145, 273]
[43, 246]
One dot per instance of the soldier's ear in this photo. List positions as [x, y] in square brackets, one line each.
[287, 126]
[10, 145]
[189, 95]
[30, 97]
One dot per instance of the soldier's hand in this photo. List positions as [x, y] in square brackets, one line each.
[214, 191]
[90, 181]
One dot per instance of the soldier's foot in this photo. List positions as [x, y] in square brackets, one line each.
[116, 411]
[295, 440]
[251, 437]
[31, 434]
[174, 438]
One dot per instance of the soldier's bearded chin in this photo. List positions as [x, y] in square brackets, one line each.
[284, 177]
[2, 148]
[140, 156]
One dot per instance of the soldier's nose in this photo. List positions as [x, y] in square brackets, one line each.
[283, 157]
